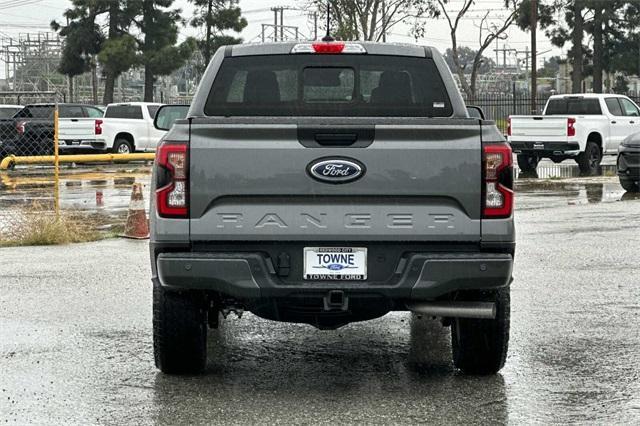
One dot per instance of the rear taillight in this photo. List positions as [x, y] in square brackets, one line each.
[97, 127]
[571, 129]
[173, 180]
[498, 181]
[509, 126]
[20, 127]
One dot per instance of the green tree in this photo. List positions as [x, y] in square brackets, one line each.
[625, 48]
[119, 52]
[159, 52]
[216, 17]
[82, 40]
[551, 67]
[117, 55]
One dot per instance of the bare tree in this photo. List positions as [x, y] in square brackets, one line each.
[371, 20]
[489, 31]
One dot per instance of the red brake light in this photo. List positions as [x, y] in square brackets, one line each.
[172, 193]
[571, 130]
[329, 47]
[498, 181]
[509, 126]
[98, 127]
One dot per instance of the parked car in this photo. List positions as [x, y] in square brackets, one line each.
[128, 127]
[326, 183]
[8, 111]
[629, 163]
[581, 127]
[30, 131]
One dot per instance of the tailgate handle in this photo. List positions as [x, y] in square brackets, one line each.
[336, 138]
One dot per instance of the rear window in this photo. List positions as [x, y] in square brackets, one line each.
[328, 85]
[8, 112]
[133, 112]
[70, 111]
[36, 111]
[579, 106]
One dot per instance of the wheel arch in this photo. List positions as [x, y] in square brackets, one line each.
[126, 136]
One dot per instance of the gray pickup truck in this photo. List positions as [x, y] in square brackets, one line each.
[326, 183]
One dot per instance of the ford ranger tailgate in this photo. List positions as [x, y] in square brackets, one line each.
[252, 181]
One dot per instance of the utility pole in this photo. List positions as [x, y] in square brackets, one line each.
[275, 23]
[534, 68]
[504, 51]
[282, 23]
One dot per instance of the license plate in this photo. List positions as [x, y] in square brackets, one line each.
[335, 263]
[538, 146]
[75, 142]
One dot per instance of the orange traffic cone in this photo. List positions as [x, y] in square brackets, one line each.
[137, 225]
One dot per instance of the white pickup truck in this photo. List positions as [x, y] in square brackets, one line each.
[128, 127]
[583, 127]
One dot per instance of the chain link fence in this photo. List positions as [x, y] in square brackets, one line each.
[29, 131]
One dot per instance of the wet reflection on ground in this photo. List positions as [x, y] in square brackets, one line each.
[103, 193]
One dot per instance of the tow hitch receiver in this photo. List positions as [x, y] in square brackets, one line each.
[335, 300]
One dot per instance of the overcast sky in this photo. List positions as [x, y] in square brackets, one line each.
[22, 16]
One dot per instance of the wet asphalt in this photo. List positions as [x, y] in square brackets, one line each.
[75, 338]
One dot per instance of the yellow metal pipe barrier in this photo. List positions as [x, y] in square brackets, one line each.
[56, 164]
[78, 158]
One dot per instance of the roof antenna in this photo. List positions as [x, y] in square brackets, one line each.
[328, 38]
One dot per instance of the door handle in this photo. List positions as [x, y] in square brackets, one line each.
[74, 119]
[613, 122]
[329, 139]
[632, 122]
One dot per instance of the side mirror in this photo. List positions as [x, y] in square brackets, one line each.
[475, 112]
[168, 114]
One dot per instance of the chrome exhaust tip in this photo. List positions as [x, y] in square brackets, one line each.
[478, 310]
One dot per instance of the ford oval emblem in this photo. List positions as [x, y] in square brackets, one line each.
[336, 170]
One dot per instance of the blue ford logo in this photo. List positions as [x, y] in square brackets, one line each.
[335, 170]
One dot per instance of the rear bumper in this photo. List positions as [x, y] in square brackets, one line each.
[91, 145]
[419, 276]
[545, 149]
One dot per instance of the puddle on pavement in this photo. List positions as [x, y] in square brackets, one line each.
[101, 194]
[563, 184]
[564, 170]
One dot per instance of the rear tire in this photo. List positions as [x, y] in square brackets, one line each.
[630, 185]
[179, 331]
[527, 162]
[122, 146]
[480, 346]
[589, 160]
